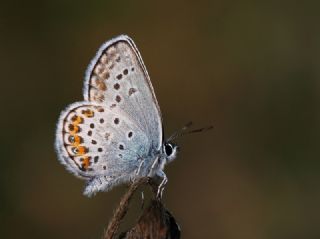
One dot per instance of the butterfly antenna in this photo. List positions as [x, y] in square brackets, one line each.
[198, 130]
[179, 132]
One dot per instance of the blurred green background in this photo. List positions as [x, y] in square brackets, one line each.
[250, 68]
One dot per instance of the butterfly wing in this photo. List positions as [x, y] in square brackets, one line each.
[93, 140]
[117, 125]
[117, 78]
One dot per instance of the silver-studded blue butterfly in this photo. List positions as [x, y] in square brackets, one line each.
[115, 135]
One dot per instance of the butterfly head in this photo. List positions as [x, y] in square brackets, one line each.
[170, 150]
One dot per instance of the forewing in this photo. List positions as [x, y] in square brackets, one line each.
[117, 78]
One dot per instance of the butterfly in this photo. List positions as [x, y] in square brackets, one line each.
[115, 135]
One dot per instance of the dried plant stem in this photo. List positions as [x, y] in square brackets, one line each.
[156, 222]
[122, 209]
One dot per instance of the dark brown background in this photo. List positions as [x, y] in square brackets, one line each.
[251, 68]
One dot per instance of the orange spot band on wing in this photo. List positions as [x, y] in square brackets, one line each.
[86, 162]
[73, 129]
[77, 119]
[82, 150]
[88, 113]
[75, 140]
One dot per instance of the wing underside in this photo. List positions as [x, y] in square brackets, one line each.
[118, 123]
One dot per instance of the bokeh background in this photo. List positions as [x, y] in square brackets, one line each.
[250, 68]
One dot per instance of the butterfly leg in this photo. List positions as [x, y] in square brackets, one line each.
[135, 176]
[151, 172]
[161, 186]
[139, 168]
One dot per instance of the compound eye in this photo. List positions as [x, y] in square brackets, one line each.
[168, 149]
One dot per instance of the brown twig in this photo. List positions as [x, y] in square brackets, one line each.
[156, 222]
[122, 209]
